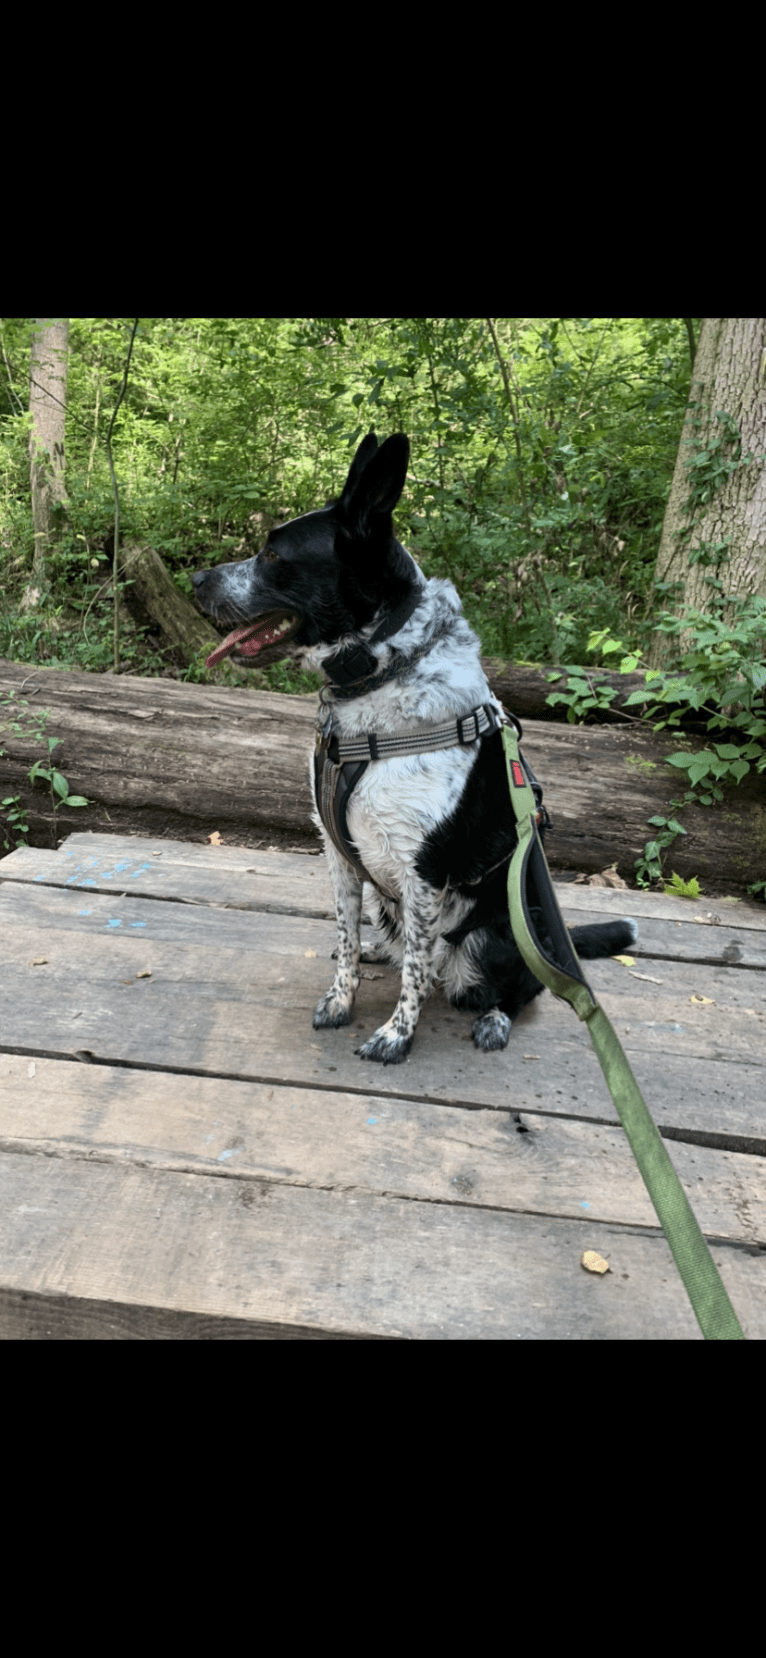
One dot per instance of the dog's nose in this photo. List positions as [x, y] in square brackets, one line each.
[198, 577]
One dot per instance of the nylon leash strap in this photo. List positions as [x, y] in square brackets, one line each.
[530, 887]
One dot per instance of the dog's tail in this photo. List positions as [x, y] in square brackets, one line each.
[603, 938]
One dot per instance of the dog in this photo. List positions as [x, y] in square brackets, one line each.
[430, 826]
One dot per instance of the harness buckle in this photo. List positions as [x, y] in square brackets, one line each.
[463, 720]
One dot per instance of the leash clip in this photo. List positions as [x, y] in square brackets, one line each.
[326, 738]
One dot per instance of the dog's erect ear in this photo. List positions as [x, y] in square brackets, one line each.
[363, 456]
[375, 482]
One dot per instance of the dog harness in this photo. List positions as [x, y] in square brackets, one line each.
[338, 767]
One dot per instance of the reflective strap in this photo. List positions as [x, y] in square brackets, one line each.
[372, 747]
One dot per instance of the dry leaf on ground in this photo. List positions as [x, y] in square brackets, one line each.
[593, 1262]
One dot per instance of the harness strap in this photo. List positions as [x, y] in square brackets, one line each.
[529, 884]
[369, 746]
[333, 786]
[339, 766]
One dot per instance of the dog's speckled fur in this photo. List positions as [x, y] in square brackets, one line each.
[428, 826]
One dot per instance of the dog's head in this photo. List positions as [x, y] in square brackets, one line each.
[321, 577]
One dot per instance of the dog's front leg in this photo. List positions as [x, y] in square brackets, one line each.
[336, 1007]
[421, 911]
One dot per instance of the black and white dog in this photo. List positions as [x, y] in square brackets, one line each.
[431, 827]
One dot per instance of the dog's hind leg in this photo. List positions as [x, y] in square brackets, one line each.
[421, 910]
[336, 1006]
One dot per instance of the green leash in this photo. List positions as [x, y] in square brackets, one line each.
[529, 884]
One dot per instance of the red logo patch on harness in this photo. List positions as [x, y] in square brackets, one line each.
[518, 775]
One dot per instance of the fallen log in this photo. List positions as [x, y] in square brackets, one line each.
[157, 757]
[153, 601]
[525, 689]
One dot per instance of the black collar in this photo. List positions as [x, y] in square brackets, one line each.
[347, 669]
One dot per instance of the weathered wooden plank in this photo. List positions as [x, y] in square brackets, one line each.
[526, 1164]
[336, 1262]
[659, 906]
[232, 994]
[286, 884]
[289, 884]
[31, 1317]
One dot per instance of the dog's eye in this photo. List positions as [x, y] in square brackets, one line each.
[268, 552]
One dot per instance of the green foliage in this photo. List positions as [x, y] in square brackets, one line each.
[544, 510]
[542, 457]
[29, 724]
[721, 678]
[682, 889]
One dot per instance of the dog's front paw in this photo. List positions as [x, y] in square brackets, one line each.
[492, 1030]
[386, 1046]
[333, 1010]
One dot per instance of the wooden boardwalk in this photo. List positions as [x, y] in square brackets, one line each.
[182, 1156]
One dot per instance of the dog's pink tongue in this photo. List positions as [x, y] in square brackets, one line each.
[247, 638]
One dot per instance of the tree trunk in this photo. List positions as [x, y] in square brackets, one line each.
[157, 758]
[153, 600]
[47, 406]
[728, 379]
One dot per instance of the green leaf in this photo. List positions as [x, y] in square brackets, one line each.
[60, 784]
[683, 889]
[76, 800]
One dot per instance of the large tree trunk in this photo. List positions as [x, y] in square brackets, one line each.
[160, 758]
[47, 406]
[728, 378]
